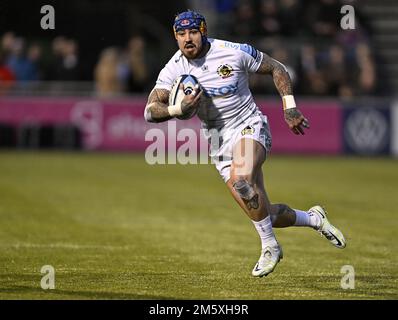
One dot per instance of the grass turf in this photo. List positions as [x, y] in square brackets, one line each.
[114, 227]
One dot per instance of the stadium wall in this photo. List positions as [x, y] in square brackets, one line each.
[366, 128]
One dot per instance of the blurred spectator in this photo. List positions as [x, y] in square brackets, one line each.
[334, 62]
[34, 56]
[23, 68]
[367, 74]
[335, 69]
[351, 38]
[58, 46]
[107, 76]
[269, 18]
[55, 67]
[312, 79]
[323, 18]
[219, 14]
[224, 16]
[244, 19]
[138, 68]
[70, 61]
[290, 13]
[7, 78]
[65, 61]
[7, 42]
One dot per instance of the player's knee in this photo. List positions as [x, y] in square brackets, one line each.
[240, 177]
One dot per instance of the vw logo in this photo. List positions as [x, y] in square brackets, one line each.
[366, 130]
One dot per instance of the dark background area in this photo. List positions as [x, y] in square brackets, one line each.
[95, 24]
[305, 35]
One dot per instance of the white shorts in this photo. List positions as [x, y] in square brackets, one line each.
[256, 128]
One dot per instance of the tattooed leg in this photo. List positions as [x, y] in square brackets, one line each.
[282, 216]
[247, 193]
[245, 173]
[262, 202]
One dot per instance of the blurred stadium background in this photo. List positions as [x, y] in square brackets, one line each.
[116, 227]
[114, 50]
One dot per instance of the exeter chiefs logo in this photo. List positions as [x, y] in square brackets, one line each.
[247, 130]
[225, 71]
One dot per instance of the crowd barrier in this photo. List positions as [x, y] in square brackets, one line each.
[365, 128]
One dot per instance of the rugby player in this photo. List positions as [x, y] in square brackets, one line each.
[222, 68]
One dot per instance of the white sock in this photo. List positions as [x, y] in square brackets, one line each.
[306, 219]
[264, 229]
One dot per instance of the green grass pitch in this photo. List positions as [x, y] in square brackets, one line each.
[114, 227]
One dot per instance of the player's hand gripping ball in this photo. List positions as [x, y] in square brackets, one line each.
[188, 83]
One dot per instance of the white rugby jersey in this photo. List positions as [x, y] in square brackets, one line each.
[223, 74]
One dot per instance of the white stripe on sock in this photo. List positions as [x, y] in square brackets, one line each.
[264, 229]
[304, 219]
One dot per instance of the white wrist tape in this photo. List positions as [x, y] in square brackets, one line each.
[288, 102]
[175, 110]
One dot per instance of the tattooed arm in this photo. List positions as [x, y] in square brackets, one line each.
[156, 107]
[158, 110]
[283, 84]
[279, 73]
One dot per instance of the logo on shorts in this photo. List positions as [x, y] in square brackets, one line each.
[225, 71]
[247, 130]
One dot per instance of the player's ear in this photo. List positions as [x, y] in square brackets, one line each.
[175, 33]
[203, 29]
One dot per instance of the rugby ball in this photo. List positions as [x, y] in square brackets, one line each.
[189, 82]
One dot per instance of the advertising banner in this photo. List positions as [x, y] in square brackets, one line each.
[118, 124]
[324, 135]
